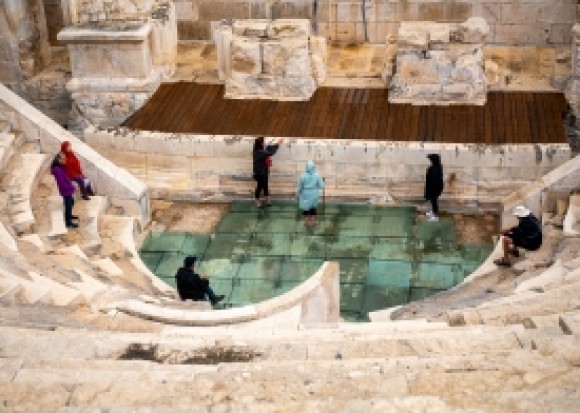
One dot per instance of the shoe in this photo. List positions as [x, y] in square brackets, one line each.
[433, 218]
[218, 298]
[502, 262]
[429, 214]
[72, 225]
[514, 252]
[74, 216]
[86, 197]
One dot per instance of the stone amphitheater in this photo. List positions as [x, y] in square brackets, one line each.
[86, 326]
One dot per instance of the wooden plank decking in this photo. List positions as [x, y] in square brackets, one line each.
[508, 117]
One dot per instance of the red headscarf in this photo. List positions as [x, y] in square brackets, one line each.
[72, 166]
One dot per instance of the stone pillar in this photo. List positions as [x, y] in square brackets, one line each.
[22, 38]
[263, 59]
[164, 38]
[573, 89]
[113, 73]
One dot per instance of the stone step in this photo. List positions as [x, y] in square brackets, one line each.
[567, 346]
[19, 184]
[8, 147]
[60, 294]
[89, 212]
[55, 207]
[572, 219]
[519, 307]
[29, 292]
[9, 292]
[150, 384]
[5, 126]
[529, 401]
[570, 323]
[86, 345]
[118, 235]
[6, 238]
[549, 278]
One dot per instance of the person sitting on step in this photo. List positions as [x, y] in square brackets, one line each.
[74, 171]
[527, 235]
[192, 286]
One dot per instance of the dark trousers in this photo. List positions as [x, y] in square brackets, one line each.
[434, 205]
[68, 208]
[261, 186]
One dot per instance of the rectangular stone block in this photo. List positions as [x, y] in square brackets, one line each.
[251, 28]
[284, 28]
[246, 56]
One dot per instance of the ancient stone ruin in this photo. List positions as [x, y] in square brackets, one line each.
[118, 60]
[440, 63]
[264, 59]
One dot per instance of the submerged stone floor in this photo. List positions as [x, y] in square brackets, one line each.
[388, 255]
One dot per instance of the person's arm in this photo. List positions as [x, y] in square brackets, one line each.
[272, 148]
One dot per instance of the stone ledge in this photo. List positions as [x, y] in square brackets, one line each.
[316, 300]
[105, 34]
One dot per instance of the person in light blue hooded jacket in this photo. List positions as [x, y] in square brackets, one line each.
[309, 185]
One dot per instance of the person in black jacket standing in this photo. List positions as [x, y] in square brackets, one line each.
[191, 286]
[262, 154]
[434, 185]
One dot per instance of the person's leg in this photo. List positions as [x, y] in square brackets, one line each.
[506, 244]
[81, 182]
[213, 297]
[267, 191]
[259, 188]
[68, 215]
[434, 205]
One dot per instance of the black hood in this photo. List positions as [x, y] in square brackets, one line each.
[434, 158]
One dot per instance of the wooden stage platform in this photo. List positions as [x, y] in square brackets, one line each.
[361, 114]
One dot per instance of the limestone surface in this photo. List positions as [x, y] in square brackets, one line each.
[265, 59]
[440, 63]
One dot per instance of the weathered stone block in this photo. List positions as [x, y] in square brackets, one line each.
[288, 28]
[250, 28]
[413, 36]
[246, 56]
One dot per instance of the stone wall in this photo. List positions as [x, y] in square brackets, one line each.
[511, 21]
[205, 167]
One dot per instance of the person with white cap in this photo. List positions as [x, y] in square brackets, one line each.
[191, 286]
[527, 235]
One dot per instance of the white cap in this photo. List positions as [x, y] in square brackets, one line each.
[521, 211]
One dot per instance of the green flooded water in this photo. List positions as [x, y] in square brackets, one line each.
[386, 258]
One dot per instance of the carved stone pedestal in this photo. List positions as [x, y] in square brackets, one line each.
[264, 59]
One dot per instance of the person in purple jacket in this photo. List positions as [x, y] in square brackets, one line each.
[65, 188]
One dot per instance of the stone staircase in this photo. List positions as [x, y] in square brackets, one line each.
[45, 264]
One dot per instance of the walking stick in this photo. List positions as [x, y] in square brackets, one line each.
[323, 197]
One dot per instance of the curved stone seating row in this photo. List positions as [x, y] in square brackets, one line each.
[20, 176]
[315, 300]
[275, 370]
